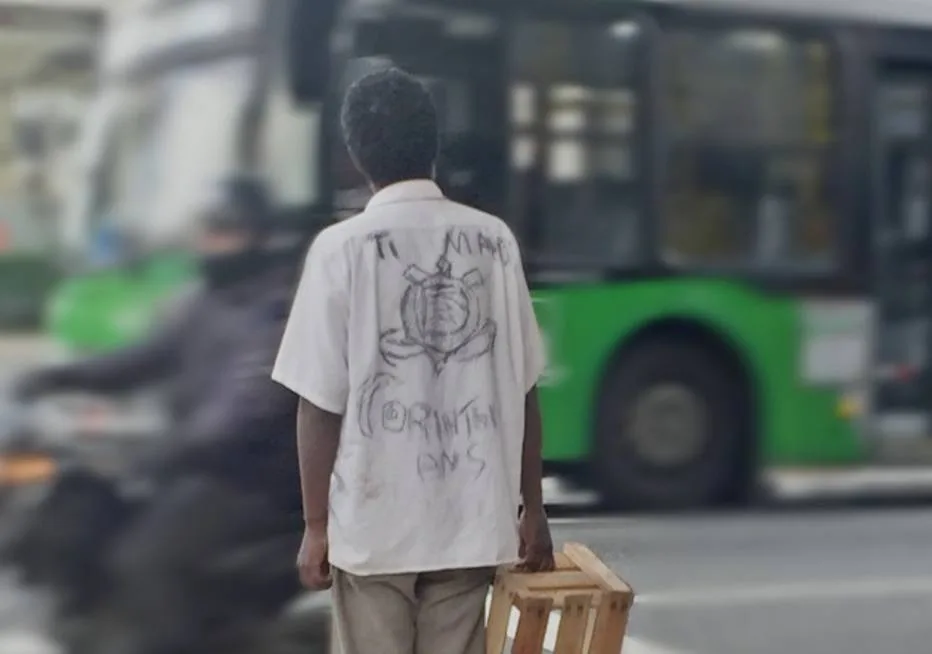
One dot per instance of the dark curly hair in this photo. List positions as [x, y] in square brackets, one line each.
[390, 127]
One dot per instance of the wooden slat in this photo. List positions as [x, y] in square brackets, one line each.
[563, 562]
[559, 597]
[590, 627]
[532, 625]
[600, 573]
[556, 580]
[496, 631]
[610, 623]
[571, 636]
[594, 602]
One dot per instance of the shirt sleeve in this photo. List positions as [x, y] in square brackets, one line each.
[534, 354]
[312, 359]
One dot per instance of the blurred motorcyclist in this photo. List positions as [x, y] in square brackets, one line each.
[214, 353]
[228, 471]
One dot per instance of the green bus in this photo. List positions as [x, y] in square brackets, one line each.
[724, 206]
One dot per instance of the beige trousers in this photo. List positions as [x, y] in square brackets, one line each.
[423, 613]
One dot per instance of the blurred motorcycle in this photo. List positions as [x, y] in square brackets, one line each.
[68, 500]
[58, 503]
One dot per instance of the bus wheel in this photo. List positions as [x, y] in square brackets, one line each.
[672, 429]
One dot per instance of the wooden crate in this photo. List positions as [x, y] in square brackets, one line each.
[592, 601]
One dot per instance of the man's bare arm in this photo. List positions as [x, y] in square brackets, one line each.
[532, 465]
[318, 440]
[536, 547]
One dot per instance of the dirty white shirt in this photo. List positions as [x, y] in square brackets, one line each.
[413, 320]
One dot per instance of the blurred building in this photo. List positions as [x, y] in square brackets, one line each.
[48, 57]
[47, 73]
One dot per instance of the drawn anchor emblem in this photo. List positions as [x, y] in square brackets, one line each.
[441, 318]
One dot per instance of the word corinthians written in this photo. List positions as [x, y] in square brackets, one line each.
[435, 424]
[446, 440]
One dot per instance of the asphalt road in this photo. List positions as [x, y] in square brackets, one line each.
[830, 581]
[23, 615]
[793, 581]
[807, 581]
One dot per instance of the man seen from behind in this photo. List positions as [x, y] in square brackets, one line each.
[414, 348]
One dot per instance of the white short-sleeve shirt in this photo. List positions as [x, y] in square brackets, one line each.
[413, 320]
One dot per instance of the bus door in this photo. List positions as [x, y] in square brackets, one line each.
[460, 58]
[902, 230]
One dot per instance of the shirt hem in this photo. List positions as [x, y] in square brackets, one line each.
[420, 569]
[316, 398]
[535, 381]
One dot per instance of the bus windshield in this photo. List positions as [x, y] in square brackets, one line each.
[167, 140]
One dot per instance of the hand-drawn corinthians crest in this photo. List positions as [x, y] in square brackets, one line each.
[441, 317]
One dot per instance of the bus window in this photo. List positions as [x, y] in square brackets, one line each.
[574, 103]
[903, 238]
[751, 138]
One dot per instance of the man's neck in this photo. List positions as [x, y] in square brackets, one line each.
[380, 187]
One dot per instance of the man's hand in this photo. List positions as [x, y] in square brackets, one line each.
[536, 549]
[313, 559]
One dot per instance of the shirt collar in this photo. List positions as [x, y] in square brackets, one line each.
[408, 191]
